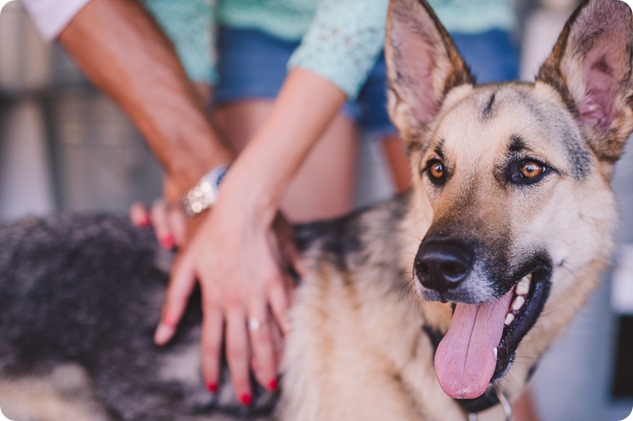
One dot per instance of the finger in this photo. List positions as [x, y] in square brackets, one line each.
[178, 224]
[277, 290]
[171, 190]
[295, 261]
[161, 224]
[285, 236]
[278, 342]
[180, 286]
[238, 355]
[265, 367]
[139, 215]
[278, 297]
[211, 345]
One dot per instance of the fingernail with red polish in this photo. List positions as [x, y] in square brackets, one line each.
[168, 242]
[145, 222]
[170, 320]
[273, 385]
[246, 399]
[212, 387]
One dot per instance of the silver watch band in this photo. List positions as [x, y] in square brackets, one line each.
[202, 196]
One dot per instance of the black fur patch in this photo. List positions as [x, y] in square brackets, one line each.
[516, 144]
[338, 238]
[531, 371]
[487, 111]
[435, 336]
[108, 286]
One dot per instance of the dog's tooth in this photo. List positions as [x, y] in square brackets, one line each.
[495, 351]
[524, 286]
[518, 303]
[509, 319]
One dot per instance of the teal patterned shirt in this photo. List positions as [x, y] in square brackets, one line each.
[339, 39]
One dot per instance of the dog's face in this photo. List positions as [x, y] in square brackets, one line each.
[517, 179]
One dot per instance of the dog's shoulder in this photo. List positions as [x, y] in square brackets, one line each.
[348, 241]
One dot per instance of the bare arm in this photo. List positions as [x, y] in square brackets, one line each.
[236, 288]
[306, 105]
[122, 50]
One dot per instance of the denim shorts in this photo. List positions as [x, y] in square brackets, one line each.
[492, 56]
[253, 65]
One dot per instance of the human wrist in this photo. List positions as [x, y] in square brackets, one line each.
[194, 149]
[247, 190]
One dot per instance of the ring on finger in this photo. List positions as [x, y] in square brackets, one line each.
[254, 324]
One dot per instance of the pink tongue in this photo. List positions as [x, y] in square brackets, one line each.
[464, 360]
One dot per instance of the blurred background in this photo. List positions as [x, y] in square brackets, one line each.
[65, 147]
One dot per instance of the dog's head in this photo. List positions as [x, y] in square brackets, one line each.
[517, 179]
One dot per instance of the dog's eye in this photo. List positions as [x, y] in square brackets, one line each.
[527, 171]
[532, 170]
[436, 171]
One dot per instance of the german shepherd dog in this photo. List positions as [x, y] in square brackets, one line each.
[425, 307]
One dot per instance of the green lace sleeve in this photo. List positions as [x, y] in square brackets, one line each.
[343, 42]
[190, 26]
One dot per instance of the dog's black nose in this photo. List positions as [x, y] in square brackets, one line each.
[442, 265]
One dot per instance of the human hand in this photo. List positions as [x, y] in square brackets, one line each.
[166, 216]
[168, 220]
[237, 258]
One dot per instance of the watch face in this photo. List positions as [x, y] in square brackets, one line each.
[202, 196]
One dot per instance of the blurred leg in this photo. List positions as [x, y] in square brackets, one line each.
[399, 167]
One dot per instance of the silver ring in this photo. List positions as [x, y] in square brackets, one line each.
[254, 324]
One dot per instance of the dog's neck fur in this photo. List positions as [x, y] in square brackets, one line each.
[407, 391]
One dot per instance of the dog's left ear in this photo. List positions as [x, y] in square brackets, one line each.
[590, 67]
[422, 66]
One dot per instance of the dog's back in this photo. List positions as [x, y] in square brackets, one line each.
[80, 298]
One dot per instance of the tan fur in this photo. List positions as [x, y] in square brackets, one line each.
[338, 383]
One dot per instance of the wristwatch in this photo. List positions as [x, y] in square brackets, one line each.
[202, 196]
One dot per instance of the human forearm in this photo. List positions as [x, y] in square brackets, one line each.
[303, 110]
[122, 51]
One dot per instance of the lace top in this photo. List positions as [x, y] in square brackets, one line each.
[340, 39]
[189, 25]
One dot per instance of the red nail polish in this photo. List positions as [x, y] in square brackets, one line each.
[145, 222]
[168, 242]
[170, 320]
[273, 385]
[212, 387]
[246, 399]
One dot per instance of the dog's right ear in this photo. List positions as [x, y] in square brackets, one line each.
[591, 68]
[422, 65]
